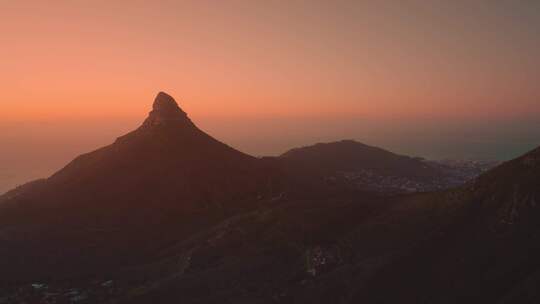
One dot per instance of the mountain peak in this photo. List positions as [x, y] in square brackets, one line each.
[165, 102]
[165, 110]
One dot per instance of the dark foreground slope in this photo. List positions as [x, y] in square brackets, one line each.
[477, 244]
[487, 255]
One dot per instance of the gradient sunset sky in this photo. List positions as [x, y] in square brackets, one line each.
[440, 79]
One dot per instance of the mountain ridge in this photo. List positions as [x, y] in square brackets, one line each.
[167, 212]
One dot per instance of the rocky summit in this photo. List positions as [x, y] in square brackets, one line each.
[165, 110]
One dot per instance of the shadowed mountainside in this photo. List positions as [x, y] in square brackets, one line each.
[158, 182]
[476, 244]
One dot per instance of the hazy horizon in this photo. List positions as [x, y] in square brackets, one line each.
[438, 80]
[38, 149]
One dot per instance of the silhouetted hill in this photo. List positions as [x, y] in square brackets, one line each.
[159, 182]
[349, 155]
[366, 167]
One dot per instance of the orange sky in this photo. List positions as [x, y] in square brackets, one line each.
[248, 58]
[267, 75]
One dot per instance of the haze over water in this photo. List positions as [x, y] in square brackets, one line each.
[439, 80]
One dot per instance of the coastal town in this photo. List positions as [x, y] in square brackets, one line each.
[454, 174]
